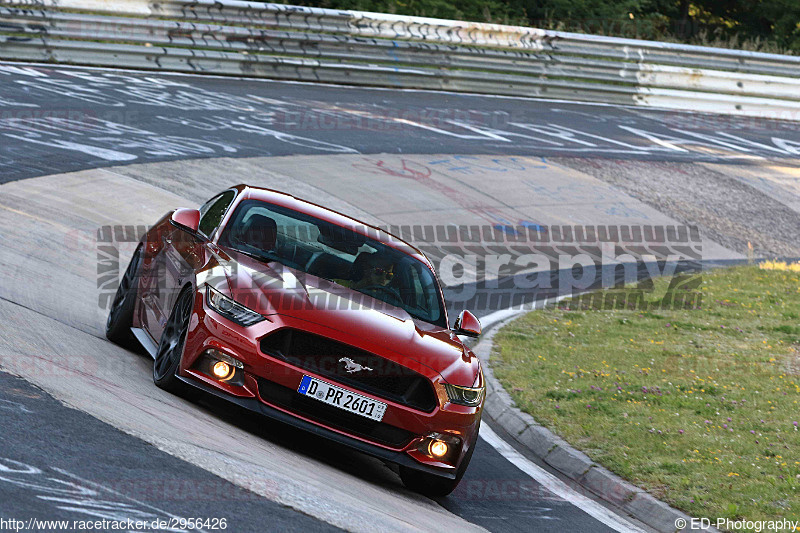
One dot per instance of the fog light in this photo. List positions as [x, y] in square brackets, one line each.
[222, 370]
[438, 448]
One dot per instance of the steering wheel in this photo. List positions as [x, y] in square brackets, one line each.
[389, 291]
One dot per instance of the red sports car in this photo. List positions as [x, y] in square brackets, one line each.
[307, 316]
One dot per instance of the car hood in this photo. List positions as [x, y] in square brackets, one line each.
[353, 317]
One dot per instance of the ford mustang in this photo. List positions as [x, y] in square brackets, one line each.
[307, 316]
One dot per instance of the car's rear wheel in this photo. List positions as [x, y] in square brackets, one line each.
[173, 339]
[432, 485]
[120, 317]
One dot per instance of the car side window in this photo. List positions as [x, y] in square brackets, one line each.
[212, 213]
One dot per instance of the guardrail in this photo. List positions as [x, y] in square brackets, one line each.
[232, 37]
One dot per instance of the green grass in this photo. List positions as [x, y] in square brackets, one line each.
[698, 406]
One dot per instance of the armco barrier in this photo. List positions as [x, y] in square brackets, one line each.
[300, 43]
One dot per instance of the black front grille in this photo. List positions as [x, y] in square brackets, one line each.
[323, 356]
[331, 416]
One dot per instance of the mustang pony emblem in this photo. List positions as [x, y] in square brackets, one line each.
[351, 366]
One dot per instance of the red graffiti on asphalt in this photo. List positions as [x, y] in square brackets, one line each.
[422, 174]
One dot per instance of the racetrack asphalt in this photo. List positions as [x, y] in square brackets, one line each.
[59, 463]
[59, 119]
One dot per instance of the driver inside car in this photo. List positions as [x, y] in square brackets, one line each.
[378, 272]
[369, 270]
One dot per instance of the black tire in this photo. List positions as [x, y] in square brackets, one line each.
[120, 317]
[432, 485]
[173, 339]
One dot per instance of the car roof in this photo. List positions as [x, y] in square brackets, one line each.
[328, 215]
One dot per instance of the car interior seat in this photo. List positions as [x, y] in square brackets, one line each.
[260, 232]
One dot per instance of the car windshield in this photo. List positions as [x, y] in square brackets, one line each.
[268, 232]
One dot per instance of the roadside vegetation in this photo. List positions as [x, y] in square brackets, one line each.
[766, 26]
[699, 406]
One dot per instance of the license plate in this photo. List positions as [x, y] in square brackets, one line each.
[342, 398]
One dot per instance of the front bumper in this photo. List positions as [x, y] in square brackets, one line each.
[256, 406]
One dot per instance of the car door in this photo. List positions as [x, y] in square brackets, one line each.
[182, 253]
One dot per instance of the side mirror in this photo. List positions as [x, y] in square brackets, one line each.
[467, 324]
[187, 219]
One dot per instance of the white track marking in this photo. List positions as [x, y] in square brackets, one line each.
[117, 493]
[503, 314]
[53, 66]
[556, 486]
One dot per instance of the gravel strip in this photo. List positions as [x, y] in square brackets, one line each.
[727, 211]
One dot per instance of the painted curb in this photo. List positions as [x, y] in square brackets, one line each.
[558, 454]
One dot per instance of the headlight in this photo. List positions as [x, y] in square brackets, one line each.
[230, 309]
[469, 396]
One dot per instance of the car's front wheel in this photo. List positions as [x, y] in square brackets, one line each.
[120, 317]
[432, 485]
[170, 349]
